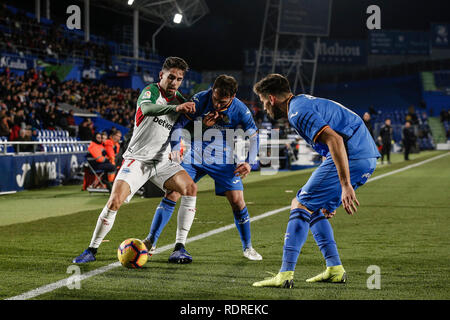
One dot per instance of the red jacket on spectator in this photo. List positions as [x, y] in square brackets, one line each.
[112, 149]
[96, 150]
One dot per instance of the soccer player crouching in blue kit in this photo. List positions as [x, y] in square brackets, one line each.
[338, 134]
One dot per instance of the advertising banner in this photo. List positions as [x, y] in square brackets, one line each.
[384, 42]
[305, 17]
[19, 172]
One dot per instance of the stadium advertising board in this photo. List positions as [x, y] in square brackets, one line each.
[348, 52]
[388, 42]
[440, 35]
[29, 171]
[308, 17]
[342, 51]
[16, 63]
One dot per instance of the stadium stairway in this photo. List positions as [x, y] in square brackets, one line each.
[428, 81]
[437, 130]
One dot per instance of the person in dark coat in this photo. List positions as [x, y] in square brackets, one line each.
[366, 118]
[386, 134]
[409, 139]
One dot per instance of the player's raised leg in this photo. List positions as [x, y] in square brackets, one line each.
[242, 221]
[105, 221]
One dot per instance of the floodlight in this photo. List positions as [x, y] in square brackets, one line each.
[177, 18]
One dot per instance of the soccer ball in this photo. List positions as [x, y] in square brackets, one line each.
[132, 253]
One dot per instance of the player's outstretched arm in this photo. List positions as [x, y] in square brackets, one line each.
[336, 146]
[153, 109]
[187, 107]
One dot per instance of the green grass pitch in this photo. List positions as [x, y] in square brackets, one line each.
[402, 226]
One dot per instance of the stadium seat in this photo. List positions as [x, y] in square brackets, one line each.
[92, 180]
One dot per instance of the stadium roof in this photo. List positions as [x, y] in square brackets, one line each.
[159, 11]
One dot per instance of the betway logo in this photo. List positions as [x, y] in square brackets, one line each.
[163, 123]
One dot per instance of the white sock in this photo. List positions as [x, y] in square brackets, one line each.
[186, 214]
[104, 224]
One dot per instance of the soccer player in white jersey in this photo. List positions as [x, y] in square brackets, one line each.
[147, 155]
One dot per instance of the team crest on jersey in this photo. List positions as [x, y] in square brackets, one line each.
[226, 119]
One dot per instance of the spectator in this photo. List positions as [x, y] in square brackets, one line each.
[24, 135]
[72, 126]
[445, 115]
[5, 130]
[61, 119]
[409, 139]
[112, 145]
[104, 137]
[386, 133]
[98, 160]
[412, 116]
[366, 118]
[84, 130]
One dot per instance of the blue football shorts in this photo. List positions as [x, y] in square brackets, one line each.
[323, 189]
[222, 174]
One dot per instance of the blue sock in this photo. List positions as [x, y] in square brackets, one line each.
[323, 234]
[160, 219]
[242, 221]
[296, 234]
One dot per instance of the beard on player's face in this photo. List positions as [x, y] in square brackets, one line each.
[273, 110]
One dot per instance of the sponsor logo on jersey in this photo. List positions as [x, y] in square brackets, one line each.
[309, 96]
[147, 94]
[293, 115]
[366, 175]
[163, 123]
[235, 181]
[125, 170]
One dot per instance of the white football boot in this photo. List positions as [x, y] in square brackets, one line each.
[251, 254]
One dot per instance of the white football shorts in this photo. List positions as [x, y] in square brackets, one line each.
[136, 173]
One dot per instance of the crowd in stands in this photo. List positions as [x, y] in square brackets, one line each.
[32, 101]
[23, 35]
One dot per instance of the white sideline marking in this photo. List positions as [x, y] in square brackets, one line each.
[62, 283]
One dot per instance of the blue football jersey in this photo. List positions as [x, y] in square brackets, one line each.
[311, 115]
[234, 116]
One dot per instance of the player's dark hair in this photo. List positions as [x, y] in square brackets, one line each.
[274, 84]
[226, 85]
[175, 62]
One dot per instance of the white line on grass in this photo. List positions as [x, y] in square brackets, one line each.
[62, 283]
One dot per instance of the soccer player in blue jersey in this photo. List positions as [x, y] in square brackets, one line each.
[338, 134]
[218, 110]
